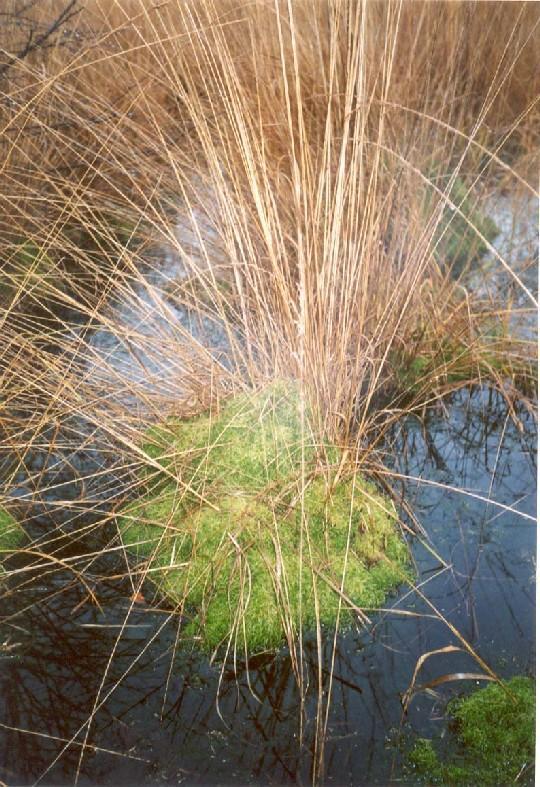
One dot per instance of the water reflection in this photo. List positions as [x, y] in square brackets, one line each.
[162, 708]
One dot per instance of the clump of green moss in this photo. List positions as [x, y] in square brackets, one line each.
[458, 243]
[495, 736]
[252, 546]
[11, 535]
[27, 262]
[437, 361]
[449, 361]
[10, 531]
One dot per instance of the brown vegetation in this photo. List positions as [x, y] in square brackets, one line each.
[292, 163]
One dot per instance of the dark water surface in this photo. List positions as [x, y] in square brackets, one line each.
[155, 719]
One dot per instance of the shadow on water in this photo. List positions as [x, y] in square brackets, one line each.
[156, 720]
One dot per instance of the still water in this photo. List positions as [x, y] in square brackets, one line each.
[109, 675]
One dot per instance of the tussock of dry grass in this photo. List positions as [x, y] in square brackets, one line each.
[279, 173]
[292, 166]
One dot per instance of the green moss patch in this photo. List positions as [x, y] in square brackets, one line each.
[11, 535]
[251, 546]
[458, 236]
[495, 738]
[28, 263]
[450, 362]
[438, 362]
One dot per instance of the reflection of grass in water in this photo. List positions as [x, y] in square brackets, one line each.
[495, 730]
[263, 554]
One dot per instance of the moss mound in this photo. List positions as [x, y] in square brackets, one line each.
[495, 731]
[230, 530]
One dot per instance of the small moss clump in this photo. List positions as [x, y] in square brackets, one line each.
[251, 546]
[28, 263]
[457, 238]
[446, 362]
[495, 735]
[11, 535]
[436, 362]
[10, 531]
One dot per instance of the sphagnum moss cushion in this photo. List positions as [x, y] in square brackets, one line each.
[250, 535]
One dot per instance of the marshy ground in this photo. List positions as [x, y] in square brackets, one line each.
[268, 388]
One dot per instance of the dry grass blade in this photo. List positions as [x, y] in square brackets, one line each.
[448, 678]
[93, 748]
[414, 689]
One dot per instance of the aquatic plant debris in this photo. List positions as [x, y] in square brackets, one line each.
[495, 731]
[264, 532]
